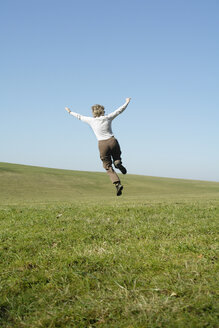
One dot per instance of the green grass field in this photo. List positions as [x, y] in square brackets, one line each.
[72, 254]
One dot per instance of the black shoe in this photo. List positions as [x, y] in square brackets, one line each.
[119, 188]
[122, 169]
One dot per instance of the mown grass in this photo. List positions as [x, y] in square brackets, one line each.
[22, 184]
[130, 262]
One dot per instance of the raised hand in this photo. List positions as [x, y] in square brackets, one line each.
[68, 110]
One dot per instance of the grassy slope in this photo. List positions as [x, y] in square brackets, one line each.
[28, 184]
[74, 255]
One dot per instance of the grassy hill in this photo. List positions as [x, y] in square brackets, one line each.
[73, 255]
[29, 184]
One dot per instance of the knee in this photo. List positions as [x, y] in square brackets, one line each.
[107, 166]
[107, 163]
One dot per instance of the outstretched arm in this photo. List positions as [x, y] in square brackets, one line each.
[68, 110]
[120, 109]
[78, 116]
[73, 113]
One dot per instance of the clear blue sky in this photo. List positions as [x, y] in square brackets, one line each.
[163, 54]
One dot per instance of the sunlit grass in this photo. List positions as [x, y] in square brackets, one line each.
[132, 262]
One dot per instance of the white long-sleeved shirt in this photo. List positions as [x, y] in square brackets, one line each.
[101, 125]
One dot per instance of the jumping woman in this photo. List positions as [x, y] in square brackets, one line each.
[109, 147]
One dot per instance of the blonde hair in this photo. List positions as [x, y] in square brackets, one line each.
[98, 110]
